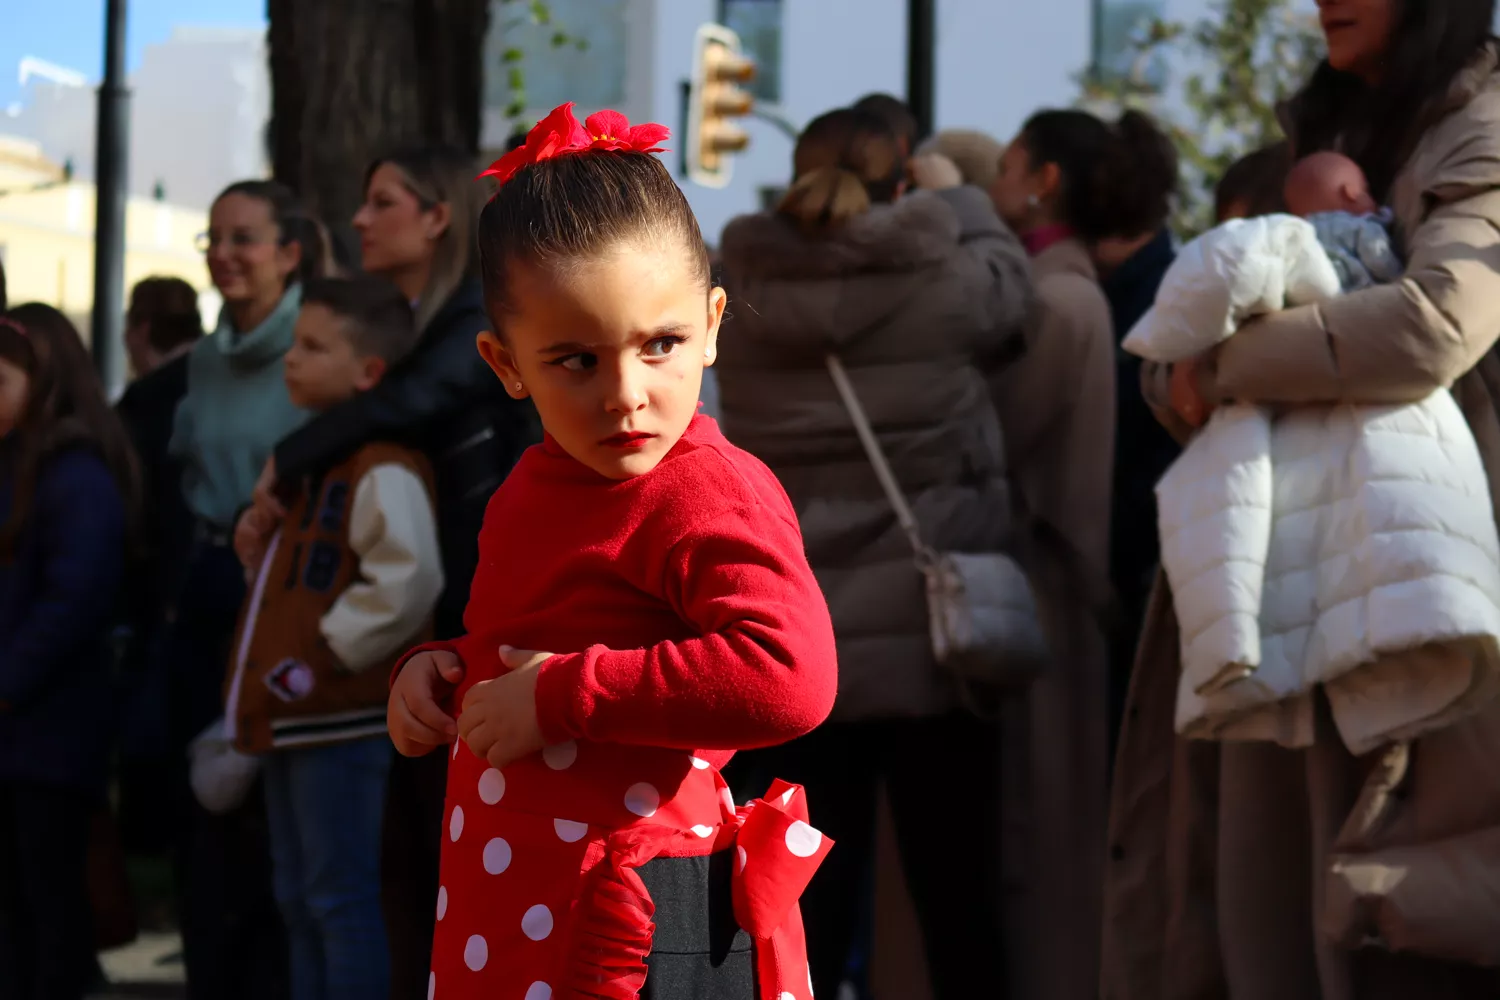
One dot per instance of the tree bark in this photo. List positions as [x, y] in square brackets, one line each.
[352, 79]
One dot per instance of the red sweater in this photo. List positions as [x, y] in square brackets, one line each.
[680, 602]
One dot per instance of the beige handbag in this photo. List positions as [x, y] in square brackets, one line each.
[983, 613]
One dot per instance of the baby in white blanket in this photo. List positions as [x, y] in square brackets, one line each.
[1348, 547]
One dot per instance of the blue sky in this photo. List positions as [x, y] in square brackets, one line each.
[71, 32]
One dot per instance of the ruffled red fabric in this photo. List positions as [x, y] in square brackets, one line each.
[777, 853]
[560, 134]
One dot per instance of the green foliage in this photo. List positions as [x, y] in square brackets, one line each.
[1240, 62]
[522, 14]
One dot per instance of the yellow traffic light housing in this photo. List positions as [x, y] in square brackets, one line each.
[716, 98]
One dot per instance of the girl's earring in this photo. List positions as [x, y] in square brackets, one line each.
[518, 387]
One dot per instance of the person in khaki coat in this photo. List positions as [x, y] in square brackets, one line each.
[1258, 873]
[922, 296]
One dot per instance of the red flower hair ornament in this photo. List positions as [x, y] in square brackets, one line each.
[560, 134]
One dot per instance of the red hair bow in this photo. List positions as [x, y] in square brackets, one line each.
[560, 134]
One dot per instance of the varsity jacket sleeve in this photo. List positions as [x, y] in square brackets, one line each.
[761, 671]
[394, 533]
[79, 518]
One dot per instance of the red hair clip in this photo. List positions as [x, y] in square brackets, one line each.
[560, 134]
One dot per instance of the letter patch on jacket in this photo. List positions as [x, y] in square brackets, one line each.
[290, 680]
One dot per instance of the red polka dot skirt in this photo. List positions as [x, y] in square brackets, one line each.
[539, 898]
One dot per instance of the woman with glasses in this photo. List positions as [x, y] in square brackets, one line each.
[416, 230]
[260, 246]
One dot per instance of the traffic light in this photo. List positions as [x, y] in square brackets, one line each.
[714, 100]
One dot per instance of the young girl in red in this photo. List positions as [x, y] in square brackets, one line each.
[642, 609]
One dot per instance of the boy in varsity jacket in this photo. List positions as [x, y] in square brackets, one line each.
[348, 583]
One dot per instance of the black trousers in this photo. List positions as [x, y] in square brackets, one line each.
[698, 951]
[46, 927]
[411, 851]
[944, 782]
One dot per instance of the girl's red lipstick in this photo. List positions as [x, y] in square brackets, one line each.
[630, 439]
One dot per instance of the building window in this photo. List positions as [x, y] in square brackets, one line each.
[758, 23]
[1119, 27]
[554, 66]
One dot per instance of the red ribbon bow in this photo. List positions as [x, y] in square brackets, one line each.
[560, 134]
[776, 854]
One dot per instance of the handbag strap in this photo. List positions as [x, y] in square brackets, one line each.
[876, 455]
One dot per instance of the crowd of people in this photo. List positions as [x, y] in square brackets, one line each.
[224, 599]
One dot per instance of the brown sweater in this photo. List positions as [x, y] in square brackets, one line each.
[348, 583]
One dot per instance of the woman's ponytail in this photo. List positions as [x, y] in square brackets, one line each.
[845, 162]
[824, 199]
[1117, 180]
[1136, 182]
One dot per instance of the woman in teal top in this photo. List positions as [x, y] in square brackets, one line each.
[260, 246]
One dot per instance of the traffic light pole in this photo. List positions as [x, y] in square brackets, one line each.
[921, 41]
[111, 162]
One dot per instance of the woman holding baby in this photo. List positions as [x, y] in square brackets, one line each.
[1258, 872]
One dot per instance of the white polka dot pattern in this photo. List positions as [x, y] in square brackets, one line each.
[703, 832]
[491, 787]
[568, 831]
[476, 953]
[442, 904]
[561, 756]
[539, 991]
[700, 763]
[643, 800]
[537, 923]
[431, 985]
[802, 840]
[456, 824]
[496, 856]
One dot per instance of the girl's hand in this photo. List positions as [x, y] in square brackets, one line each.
[414, 714]
[1186, 396]
[498, 719]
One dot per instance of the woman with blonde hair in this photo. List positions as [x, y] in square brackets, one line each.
[922, 297]
[416, 229]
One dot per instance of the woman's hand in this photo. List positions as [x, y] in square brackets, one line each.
[265, 490]
[1186, 394]
[498, 719]
[414, 714]
[935, 172]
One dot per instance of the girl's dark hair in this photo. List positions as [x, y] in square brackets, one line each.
[169, 309]
[1431, 42]
[579, 206]
[1117, 180]
[1255, 180]
[293, 225]
[2, 286]
[65, 408]
[845, 161]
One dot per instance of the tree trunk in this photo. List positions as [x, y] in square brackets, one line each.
[352, 79]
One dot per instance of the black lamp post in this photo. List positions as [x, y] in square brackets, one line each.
[111, 158]
[921, 41]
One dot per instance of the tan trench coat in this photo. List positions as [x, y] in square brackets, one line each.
[1252, 872]
[1057, 408]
